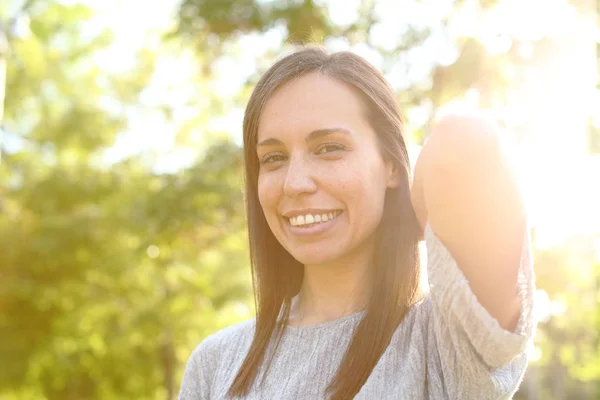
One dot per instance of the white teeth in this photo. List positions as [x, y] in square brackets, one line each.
[310, 219]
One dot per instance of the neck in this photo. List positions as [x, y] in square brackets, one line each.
[333, 290]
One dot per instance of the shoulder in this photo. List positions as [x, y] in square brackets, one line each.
[203, 364]
[417, 318]
[225, 341]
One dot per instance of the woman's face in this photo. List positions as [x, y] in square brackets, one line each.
[322, 179]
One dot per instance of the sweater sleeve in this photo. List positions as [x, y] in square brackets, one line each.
[479, 359]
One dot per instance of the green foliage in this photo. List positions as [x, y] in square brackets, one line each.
[568, 339]
[110, 276]
[304, 20]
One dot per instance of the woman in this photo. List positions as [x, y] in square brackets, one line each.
[334, 229]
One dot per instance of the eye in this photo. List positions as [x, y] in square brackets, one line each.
[330, 147]
[271, 158]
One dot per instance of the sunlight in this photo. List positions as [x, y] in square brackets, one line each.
[548, 113]
[552, 110]
[549, 138]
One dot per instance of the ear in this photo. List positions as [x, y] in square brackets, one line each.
[393, 174]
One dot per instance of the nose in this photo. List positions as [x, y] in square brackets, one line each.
[299, 178]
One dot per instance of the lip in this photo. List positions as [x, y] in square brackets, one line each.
[314, 230]
[313, 211]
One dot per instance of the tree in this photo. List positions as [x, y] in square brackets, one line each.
[111, 273]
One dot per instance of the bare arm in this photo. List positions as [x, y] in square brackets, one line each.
[466, 190]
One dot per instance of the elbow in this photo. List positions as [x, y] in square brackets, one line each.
[465, 139]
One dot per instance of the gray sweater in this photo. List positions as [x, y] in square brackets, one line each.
[447, 347]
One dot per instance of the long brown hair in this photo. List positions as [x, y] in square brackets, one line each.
[277, 276]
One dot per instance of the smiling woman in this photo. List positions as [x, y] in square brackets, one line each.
[334, 229]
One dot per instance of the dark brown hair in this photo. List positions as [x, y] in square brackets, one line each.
[277, 276]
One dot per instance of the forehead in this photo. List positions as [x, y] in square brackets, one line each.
[313, 101]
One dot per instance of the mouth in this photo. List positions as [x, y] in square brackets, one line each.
[311, 220]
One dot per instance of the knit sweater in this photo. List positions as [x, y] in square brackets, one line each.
[447, 347]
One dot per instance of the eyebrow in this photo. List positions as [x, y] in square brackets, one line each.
[316, 134]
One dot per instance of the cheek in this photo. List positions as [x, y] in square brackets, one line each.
[364, 192]
[267, 194]
[361, 181]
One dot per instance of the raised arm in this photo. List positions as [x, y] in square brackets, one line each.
[466, 190]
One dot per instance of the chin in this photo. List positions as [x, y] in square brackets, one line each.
[313, 257]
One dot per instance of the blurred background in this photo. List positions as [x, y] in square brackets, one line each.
[122, 228]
